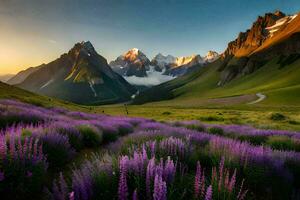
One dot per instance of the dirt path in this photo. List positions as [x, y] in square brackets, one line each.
[260, 96]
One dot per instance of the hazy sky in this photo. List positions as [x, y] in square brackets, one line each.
[33, 32]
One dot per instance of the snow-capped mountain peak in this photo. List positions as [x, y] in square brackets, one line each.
[134, 55]
[193, 59]
[136, 67]
[211, 56]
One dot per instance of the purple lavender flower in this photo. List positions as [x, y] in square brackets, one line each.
[197, 185]
[60, 190]
[71, 196]
[169, 170]
[123, 188]
[208, 195]
[135, 195]
[149, 176]
[160, 188]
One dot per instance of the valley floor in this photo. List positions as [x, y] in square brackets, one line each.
[261, 117]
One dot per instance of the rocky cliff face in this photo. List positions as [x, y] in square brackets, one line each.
[248, 41]
[273, 35]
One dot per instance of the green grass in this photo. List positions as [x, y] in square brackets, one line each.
[11, 92]
[197, 97]
[281, 85]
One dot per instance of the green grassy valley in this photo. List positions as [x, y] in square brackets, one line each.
[256, 115]
[279, 84]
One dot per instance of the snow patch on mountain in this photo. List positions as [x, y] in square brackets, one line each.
[211, 56]
[92, 88]
[46, 84]
[280, 23]
[137, 69]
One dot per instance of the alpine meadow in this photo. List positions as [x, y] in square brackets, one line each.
[150, 100]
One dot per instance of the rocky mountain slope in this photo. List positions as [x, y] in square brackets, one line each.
[264, 59]
[178, 66]
[80, 76]
[132, 63]
[274, 34]
[6, 77]
[22, 75]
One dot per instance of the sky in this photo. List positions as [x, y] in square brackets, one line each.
[33, 32]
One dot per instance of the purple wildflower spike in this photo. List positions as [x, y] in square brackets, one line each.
[197, 180]
[160, 188]
[208, 195]
[135, 195]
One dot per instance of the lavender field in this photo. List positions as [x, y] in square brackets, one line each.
[53, 153]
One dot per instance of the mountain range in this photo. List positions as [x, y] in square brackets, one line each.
[81, 76]
[264, 58]
[135, 63]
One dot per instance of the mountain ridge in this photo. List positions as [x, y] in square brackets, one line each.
[80, 76]
[135, 63]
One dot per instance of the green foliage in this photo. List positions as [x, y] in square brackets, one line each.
[197, 127]
[253, 139]
[293, 122]
[17, 119]
[58, 153]
[105, 184]
[125, 129]
[26, 133]
[166, 113]
[22, 181]
[216, 131]
[211, 118]
[75, 138]
[109, 136]
[92, 137]
[283, 143]
[277, 116]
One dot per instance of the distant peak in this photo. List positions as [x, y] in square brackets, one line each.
[279, 13]
[134, 51]
[209, 53]
[87, 45]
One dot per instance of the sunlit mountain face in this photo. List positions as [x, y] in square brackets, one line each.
[137, 68]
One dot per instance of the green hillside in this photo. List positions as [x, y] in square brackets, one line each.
[12, 92]
[280, 83]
